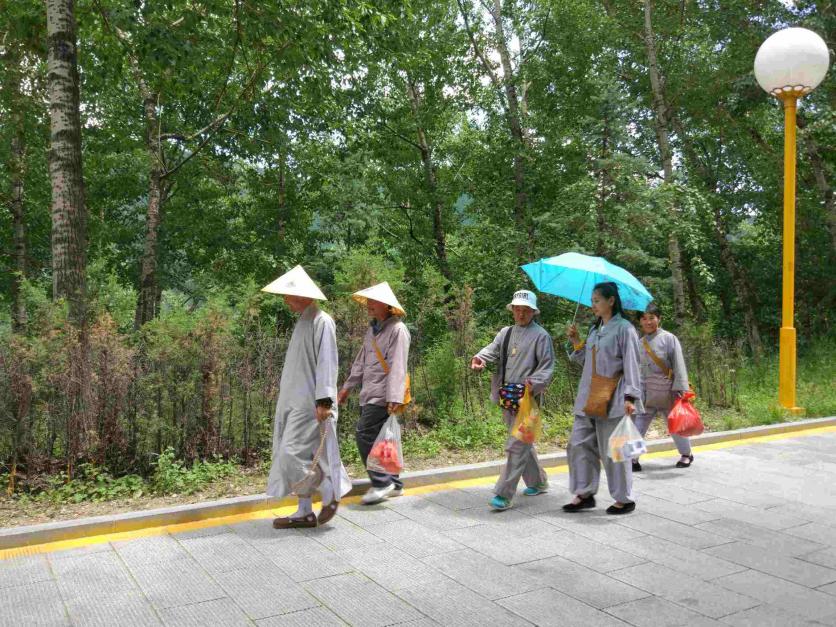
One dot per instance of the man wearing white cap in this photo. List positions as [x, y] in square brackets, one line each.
[380, 368]
[306, 454]
[526, 357]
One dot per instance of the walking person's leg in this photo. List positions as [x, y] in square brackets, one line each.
[642, 422]
[584, 464]
[372, 418]
[619, 474]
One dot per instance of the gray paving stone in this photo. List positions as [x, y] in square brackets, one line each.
[205, 532]
[303, 559]
[767, 616]
[657, 612]
[88, 575]
[179, 582]
[459, 499]
[685, 514]
[752, 515]
[580, 582]
[816, 514]
[107, 608]
[766, 538]
[316, 617]
[682, 589]
[595, 525]
[414, 538]
[360, 601]
[829, 588]
[220, 613]
[341, 534]
[766, 561]
[23, 570]
[483, 575]
[672, 531]
[151, 549]
[825, 557]
[257, 531]
[264, 591]
[451, 604]
[431, 514]
[388, 566]
[32, 604]
[677, 557]
[675, 494]
[508, 548]
[823, 534]
[223, 552]
[792, 598]
[364, 515]
[549, 607]
[98, 547]
[512, 521]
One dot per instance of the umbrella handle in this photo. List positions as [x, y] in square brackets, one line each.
[578, 306]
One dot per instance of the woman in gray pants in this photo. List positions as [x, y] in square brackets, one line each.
[610, 351]
[664, 378]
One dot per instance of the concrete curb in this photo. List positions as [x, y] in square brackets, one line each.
[14, 537]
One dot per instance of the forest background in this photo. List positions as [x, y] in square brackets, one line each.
[435, 144]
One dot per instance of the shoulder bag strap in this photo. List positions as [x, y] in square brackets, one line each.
[657, 360]
[380, 357]
[504, 355]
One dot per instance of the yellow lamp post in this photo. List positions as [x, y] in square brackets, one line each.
[790, 64]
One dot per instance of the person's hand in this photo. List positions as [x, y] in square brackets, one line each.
[629, 408]
[477, 363]
[573, 335]
[342, 397]
[323, 413]
[528, 383]
[393, 408]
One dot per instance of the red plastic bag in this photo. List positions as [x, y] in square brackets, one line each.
[387, 453]
[684, 418]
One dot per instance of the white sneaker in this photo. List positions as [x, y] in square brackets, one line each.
[377, 495]
[396, 492]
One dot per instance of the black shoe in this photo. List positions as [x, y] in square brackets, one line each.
[637, 467]
[681, 464]
[586, 502]
[624, 509]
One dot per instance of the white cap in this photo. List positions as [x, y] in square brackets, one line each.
[524, 298]
[295, 282]
[381, 293]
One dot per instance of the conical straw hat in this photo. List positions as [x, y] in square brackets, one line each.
[295, 282]
[381, 293]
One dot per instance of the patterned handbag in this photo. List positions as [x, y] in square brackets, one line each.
[601, 390]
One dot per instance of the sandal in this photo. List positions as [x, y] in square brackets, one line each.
[295, 523]
[327, 512]
[681, 464]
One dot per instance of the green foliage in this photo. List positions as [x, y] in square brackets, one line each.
[171, 476]
[90, 484]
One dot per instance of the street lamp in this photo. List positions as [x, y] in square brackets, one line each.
[790, 64]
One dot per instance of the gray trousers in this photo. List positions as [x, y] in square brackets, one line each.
[642, 422]
[587, 450]
[521, 462]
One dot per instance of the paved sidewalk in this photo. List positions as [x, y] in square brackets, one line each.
[746, 536]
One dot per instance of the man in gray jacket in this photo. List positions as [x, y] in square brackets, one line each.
[526, 358]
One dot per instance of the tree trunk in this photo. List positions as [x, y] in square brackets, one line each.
[661, 125]
[431, 179]
[515, 125]
[17, 165]
[69, 211]
[828, 195]
[149, 290]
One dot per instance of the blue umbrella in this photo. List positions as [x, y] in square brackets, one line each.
[573, 275]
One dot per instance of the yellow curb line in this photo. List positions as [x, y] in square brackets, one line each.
[63, 545]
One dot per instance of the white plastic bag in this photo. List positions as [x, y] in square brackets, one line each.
[387, 453]
[625, 442]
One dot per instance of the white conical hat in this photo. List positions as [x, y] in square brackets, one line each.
[295, 282]
[381, 293]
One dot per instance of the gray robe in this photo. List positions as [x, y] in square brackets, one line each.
[618, 352]
[309, 373]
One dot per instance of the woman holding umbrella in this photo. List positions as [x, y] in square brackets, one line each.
[610, 388]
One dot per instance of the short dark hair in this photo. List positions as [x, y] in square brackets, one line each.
[608, 289]
[652, 309]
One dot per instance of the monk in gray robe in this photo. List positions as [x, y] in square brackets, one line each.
[526, 358]
[615, 345]
[306, 454]
[664, 379]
